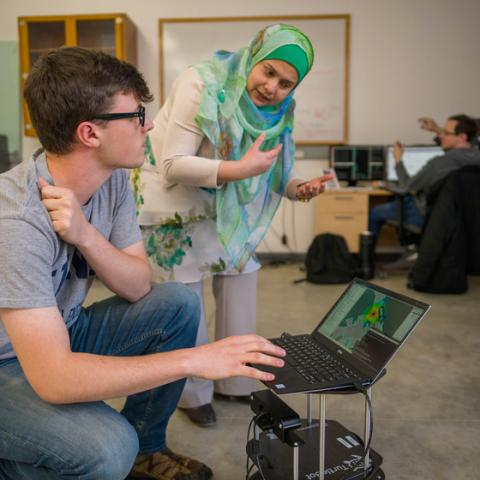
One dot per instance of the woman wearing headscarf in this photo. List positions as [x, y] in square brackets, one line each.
[218, 162]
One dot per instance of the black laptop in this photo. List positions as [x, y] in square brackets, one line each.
[352, 344]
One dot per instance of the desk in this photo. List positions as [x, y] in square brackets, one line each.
[344, 212]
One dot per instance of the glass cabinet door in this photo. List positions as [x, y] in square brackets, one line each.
[44, 35]
[114, 34]
[97, 34]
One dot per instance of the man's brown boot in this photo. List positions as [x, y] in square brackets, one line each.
[167, 465]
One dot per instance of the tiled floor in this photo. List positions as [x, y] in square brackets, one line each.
[426, 411]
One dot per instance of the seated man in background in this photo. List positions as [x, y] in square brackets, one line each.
[456, 139]
[66, 216]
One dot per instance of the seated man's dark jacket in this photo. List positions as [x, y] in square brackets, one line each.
[449, 247]
[434, 171]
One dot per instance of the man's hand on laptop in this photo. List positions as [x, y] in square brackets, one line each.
[229, 358]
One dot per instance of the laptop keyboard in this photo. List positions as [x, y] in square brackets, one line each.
[312, 361]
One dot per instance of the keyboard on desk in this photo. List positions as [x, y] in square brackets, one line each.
[314, 363]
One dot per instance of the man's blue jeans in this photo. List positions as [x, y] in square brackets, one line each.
[91, 441]
[379, 214]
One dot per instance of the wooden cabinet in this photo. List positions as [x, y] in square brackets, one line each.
[112, 33]
[345, 212]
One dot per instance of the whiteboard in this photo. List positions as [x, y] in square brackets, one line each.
[321, 115]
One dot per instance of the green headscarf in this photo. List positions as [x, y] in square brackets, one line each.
[295, 56]
[232, 122]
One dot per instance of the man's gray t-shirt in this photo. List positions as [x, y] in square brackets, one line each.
[39, 269]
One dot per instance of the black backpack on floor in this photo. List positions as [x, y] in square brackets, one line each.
[329, 261]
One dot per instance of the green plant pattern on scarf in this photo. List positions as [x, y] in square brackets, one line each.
[168, 241]
[166, 245]
[219, 267]
[149, 158]
[137, 186]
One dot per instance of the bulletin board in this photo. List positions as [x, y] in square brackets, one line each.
[321, 115]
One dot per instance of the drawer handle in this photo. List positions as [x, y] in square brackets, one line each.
[343, 217]
[344, 198]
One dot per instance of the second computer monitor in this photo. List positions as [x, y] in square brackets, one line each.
[358, 163]
[414, 158]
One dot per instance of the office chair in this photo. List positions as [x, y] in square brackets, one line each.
[449, 249]
[408, 234]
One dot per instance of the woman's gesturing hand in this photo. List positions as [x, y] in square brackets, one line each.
[253, 163]
[312, 188]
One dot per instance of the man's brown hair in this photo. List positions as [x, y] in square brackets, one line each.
[70, 85]
[465, 125]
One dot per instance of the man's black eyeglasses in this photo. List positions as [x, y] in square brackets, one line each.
[444, 132]
[117, 116]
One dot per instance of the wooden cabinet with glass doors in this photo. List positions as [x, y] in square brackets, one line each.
[112, 33]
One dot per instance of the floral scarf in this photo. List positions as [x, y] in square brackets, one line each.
[231, 121]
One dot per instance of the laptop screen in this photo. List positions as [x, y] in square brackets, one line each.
[371, 322]
[414, 159]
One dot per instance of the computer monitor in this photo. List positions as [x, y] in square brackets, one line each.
[354, 163]
[414, 158]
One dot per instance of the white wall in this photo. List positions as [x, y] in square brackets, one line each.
[407, 58]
